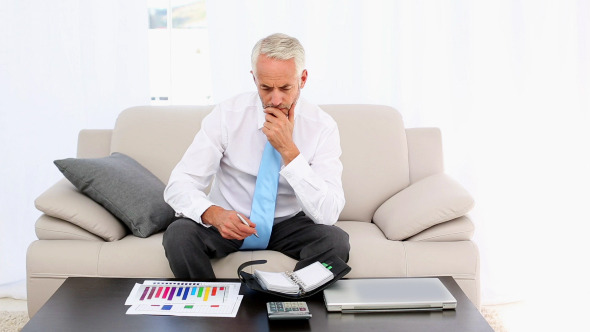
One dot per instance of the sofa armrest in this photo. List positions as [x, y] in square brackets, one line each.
[428, 202]
[50, 228]
[458, 229]
[94, 143]
[65, 202]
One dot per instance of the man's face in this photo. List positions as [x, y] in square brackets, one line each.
[278, 82]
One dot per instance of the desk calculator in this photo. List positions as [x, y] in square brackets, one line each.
[287, 310]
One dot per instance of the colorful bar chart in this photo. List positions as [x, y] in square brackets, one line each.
[184, 298]
[194, 294]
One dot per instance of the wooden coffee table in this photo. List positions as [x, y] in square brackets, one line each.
[98, 304]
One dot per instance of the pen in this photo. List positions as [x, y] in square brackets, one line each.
[246, 223]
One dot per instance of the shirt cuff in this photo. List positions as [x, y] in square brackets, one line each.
[196, 213]
[296, 169]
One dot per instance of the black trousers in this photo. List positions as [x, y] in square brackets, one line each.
[190, 246]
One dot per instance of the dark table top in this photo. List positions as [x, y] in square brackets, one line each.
[98, 304]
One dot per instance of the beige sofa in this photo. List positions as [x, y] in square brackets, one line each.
[405, 217]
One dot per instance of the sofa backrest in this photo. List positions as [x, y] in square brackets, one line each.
[374, 156]
[373, 140]
[157, 136]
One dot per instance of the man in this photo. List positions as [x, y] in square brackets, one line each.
[229, 148]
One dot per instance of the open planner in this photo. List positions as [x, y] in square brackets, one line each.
[300, 284]
[301, 281]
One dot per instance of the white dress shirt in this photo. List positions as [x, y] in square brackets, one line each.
[228, 149]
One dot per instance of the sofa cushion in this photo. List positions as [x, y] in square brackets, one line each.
[65, 202]
[372, 255]
[124, 187]
[428, 202]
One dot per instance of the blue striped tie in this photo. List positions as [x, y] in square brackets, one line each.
[265, 198]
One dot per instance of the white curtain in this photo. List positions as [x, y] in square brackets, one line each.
[508, 82]
[64, 66]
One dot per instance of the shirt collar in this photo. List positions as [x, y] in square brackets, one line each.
[261, 114]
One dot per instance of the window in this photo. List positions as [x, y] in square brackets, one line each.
[179, 52]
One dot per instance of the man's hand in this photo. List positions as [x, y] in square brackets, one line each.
[227, 223]
[278, 128]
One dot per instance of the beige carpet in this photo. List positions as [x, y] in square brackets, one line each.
[14, 321]
[493, 318]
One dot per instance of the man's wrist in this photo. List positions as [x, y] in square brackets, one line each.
[288, 156]
[208, 216]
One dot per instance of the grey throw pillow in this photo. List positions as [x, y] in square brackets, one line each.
[125, 188]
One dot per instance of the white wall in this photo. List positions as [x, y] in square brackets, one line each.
[64, 66]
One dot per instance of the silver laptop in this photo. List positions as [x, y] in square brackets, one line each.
[391, 294]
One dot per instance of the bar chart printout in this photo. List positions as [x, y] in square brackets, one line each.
[184, 298]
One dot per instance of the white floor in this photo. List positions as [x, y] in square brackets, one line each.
[548, 315]
[9, 304]
[512, 316]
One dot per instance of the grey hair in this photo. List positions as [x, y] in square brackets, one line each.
[282, 47]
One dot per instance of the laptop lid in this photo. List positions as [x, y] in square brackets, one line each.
[388, 294]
